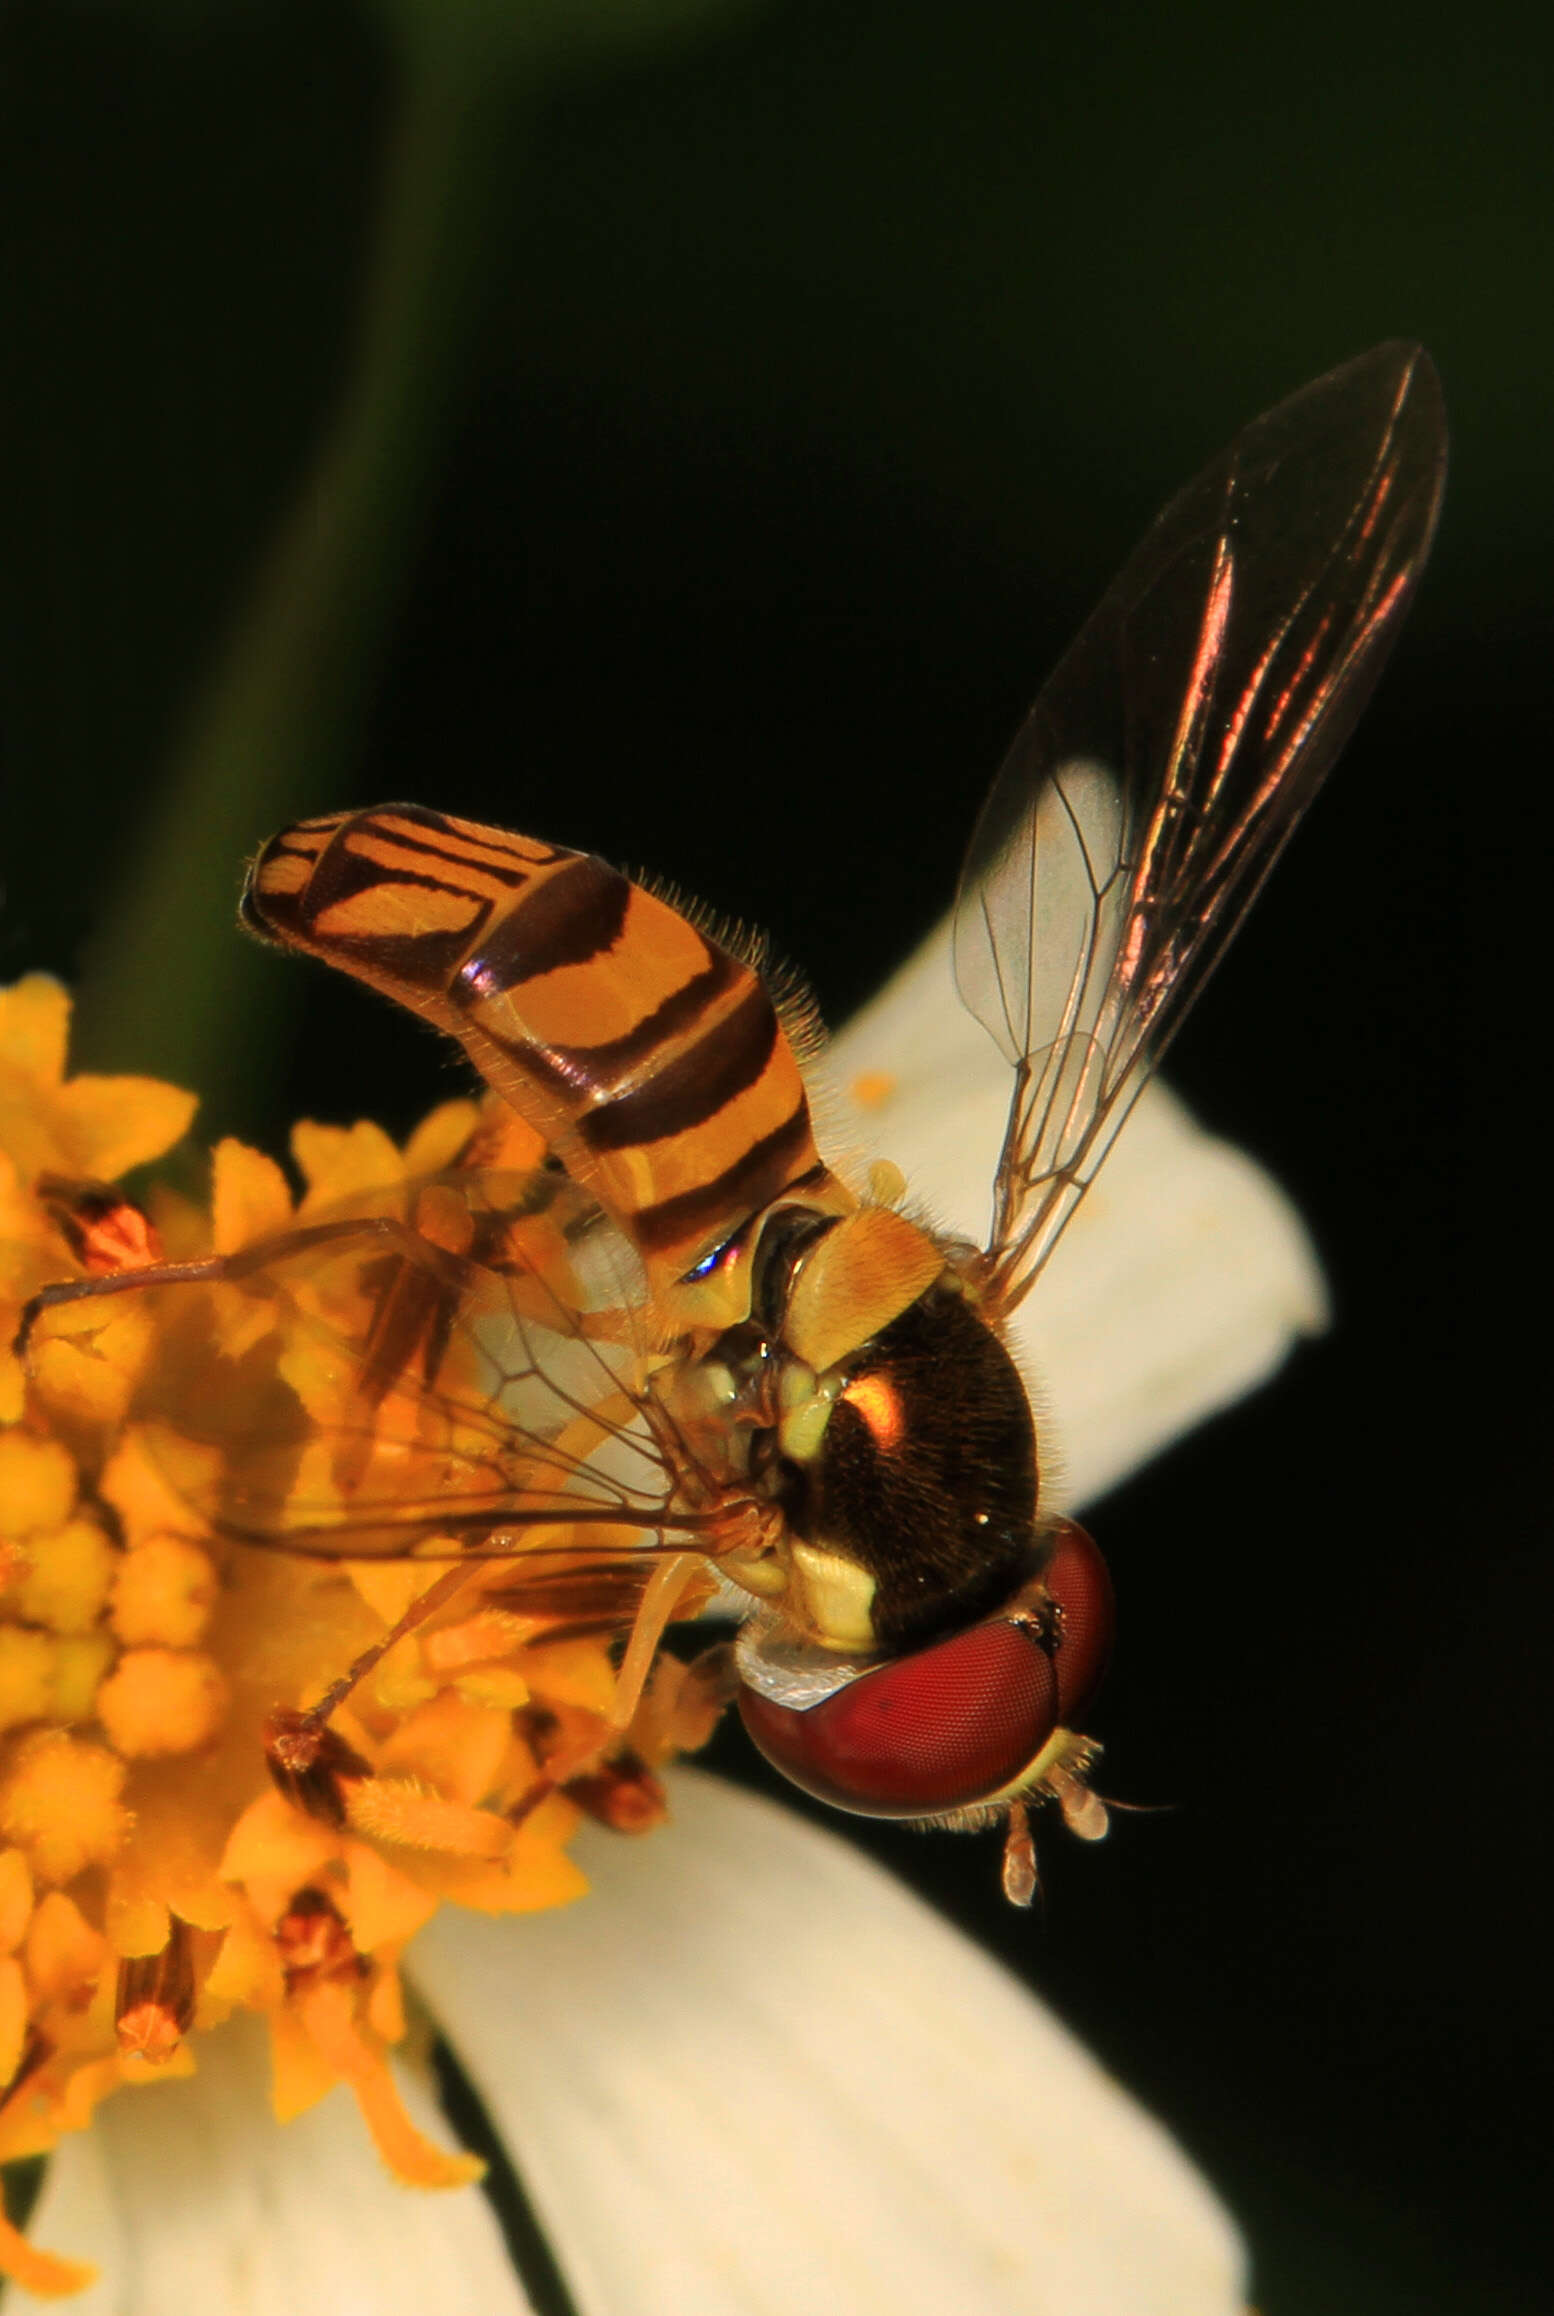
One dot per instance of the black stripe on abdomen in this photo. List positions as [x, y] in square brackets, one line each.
[754, 1180]
[469, 850]
[339, 877]
[605, 1065]
[695, 1086]
[572, 917]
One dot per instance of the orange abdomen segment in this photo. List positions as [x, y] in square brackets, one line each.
[650, 1058]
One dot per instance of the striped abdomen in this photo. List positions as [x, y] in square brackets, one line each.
[650, 1058]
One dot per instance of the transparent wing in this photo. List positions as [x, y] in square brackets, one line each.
[466, 1378]
[1155, 780]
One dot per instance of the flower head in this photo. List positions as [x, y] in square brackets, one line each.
[157, 1883]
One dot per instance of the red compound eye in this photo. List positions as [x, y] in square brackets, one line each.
[955, 1723]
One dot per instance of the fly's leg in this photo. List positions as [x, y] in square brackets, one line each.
[1021, 1878]
[661, 1596]
[664, 1591]
[443, 1264]
[306, 1758]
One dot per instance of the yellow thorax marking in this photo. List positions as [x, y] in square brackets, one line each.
[863, 1274]
[838, 1596]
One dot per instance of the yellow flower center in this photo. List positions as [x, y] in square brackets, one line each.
[153, 1879]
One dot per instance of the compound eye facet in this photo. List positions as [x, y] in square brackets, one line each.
[955, 1723]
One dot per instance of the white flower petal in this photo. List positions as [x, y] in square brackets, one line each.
[1183, 1280]
[191, 2198]
[750, 2075]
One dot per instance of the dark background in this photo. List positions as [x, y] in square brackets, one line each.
[696, 445]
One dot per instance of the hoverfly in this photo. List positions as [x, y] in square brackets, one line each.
[684, 1345]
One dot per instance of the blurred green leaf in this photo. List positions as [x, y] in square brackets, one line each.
[276, 728]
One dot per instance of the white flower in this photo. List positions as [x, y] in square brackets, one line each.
[749, 2073]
